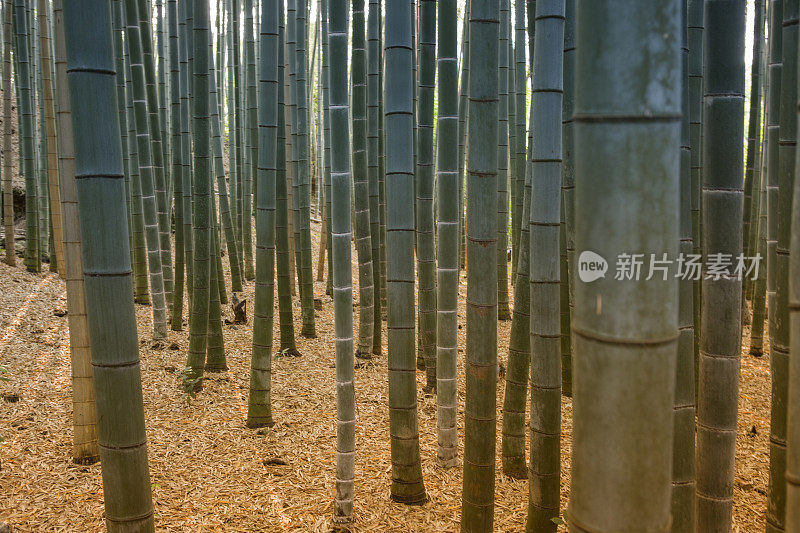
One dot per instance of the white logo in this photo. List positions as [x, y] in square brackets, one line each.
[591, 266]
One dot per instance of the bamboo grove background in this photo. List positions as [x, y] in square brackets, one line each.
[163, 143]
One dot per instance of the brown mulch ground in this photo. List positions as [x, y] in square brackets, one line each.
[210, 473]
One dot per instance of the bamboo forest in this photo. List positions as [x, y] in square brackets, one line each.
[400, 266]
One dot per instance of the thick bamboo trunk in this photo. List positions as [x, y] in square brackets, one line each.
[106, 267]
[480, 411]
[625, 331]
[84, 449]
[259, 409]
[407, 483]
[447, 226]
[342, 270]
[720, 333]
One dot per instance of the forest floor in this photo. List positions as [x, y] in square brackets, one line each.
[210, 473]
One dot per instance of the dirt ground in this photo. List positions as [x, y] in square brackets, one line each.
[210, 473]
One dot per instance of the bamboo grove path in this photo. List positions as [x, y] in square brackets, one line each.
[210, 473]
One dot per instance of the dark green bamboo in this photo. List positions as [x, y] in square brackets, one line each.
[720, 333]
[683, 484]
[792, 472]
[342, 270]
[545, 226]
[749, 229]
[177, 163]
[259, 408]
[503, 311]
[8, 197]
[119, 62]
[447, 231]
[518, 165]
[283, 253]
[157, 151]
[519, 353]
[106, 266]
[373, 150]
[760, 284]
[326, 138]
[696, 24]
[33, 256]
[222, 185]
[426, 252]
[250, 155]
[185, 147]
[463, 113]
[780, 327]
[215, 345]
[304, 179]
[567, 200]
[140, 270]
[480, 412]
[146, 170]
[381, 170]
[85, 447]
[407, 484]
[163, 113]
[625, 331]
[366, 280]
[201, 196]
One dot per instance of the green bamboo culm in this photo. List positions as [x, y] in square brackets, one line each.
[201, 195]
[518, 156]
[518, 363]
[773, 133]
[326, 138]
[480, 411]
[283, 253]
[751, 167]
[176, 320]
[136, 238]
[308, 329]
[8, 197]
[33, 256]
[157, 151]
[683, 485]
[85, 447]
[426, 252]
[366, 281]
[519, 353]
[696, 31]
[567, 200]
[146, 171]
[259, 408]
[373, 163]
[222, 186]
[720, 333]
[407, 483]
[463, 113]
[769, 172]
[50, 155]
[215, 345]
[447, 231]
[625, 331]
[503, 311]
[140, 271]
[545, 226]
[250, 154]
[780, 327]
[106, 266]
[342, 270]
[792, 522]
[185, 147]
